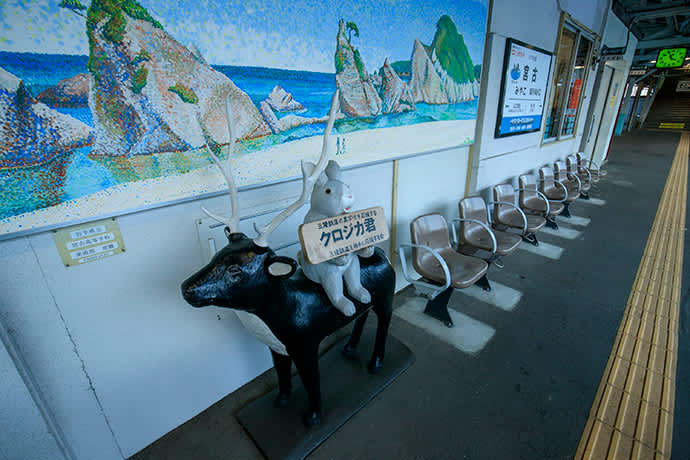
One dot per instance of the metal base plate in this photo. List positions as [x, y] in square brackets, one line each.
[346, 387]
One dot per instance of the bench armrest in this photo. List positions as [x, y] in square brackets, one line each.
[512, 205]
[435, 289]
[565, 190]
[481, 224]
[589, 174]
[579, 182]
[556, 181]
[540, 195]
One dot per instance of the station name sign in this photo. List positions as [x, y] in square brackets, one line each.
[523, 89]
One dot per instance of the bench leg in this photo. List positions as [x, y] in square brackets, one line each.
[483, 283]
[551, 223]
[531, 239]
[438, 307]
[566, 210]
[584, 195]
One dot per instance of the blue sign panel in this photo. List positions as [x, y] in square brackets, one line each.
[523, 89]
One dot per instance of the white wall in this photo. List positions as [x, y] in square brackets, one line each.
[23, 431]
[117, 355]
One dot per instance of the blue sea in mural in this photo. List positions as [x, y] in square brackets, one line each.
[77, 173]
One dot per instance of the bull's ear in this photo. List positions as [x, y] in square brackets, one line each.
[280, 267]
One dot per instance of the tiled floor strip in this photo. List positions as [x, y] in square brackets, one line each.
[632, 413]
[544, 249]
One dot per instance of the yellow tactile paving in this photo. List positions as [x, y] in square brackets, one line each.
[632, 413]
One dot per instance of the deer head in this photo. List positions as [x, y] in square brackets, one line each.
[243, 270]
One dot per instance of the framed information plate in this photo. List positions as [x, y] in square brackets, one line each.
[523, 89]
[85, 243]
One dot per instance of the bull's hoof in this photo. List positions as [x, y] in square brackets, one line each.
[311, 419]
[375, 365]
[281, 400]
[349, 351]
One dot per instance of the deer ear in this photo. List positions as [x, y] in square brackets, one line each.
[280, 267]
[308, 167]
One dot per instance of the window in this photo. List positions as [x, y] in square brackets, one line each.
[570, 73]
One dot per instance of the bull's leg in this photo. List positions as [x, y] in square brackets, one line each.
[351, 345]
[306, 360]
[384, 312]
[283, 365]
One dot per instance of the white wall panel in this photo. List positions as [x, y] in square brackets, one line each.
[23, 431]
[32, 318]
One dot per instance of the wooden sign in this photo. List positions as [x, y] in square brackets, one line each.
[335, 236]
[88, 242]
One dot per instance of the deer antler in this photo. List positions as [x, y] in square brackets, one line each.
[233, 222]
[308, 180]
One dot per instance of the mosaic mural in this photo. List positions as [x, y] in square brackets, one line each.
[105, 105]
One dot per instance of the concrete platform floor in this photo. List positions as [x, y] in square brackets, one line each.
[527, 391]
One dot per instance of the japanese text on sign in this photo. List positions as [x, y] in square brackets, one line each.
[335, 236]
[526, 70]
[88, 242]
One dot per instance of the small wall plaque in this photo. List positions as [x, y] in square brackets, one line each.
[85, 243]
[335, 236]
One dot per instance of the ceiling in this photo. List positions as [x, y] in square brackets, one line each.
[656, 24]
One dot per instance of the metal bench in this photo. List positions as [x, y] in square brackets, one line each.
[441, 267]
[507, 215]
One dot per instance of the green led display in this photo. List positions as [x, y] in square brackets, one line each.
[671, 57]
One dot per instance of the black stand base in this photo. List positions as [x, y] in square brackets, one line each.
[566, 210]
[346, 387]
[483, 283]
[438, 307]
[584, 195]
[551, 223]
[531, 239]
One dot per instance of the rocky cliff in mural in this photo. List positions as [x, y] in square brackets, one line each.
[282, 101]
[453, 63]
[70, 92]
[31, 133]
[443, 72]
[358, 97]
[426, 84]
[395, 93]
[148, 91]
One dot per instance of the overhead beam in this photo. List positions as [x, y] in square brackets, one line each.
[666, 32]
[664, 43]
[645, 57]
[659, 13]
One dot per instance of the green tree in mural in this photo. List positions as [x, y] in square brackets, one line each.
[351, 27]
[73, 5]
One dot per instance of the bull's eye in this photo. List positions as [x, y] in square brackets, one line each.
[328, 191]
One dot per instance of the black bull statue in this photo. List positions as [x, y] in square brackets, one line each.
[243, 276]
